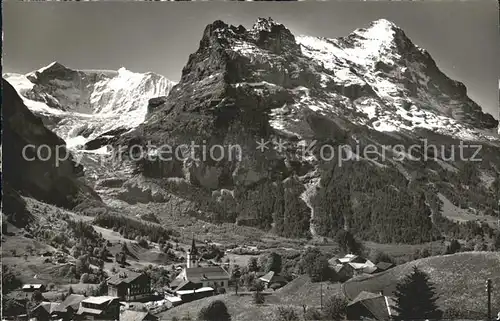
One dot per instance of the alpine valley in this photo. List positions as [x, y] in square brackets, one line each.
[306, 97]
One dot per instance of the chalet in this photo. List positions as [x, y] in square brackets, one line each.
[129, 315]
[371, 306]
[351, 265]
[271, 278]
[45, 311]
[129, 286]
[99, 308]
[70, 306]
[33, 287]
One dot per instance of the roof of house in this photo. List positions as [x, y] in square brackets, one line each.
[369, 269]
[349, 258]
[340, 267]
[73, 301]
[364, 295]
[48, 306]
[359, 266]
[33, 286]
[183, 284]
[176, 282]
[337, 268]
[173, 299]
[129, 315]
[198, 274]
[379, 305]
[384, 265]
[272, 277]
[99, 299]
[205, 289]
[83, 310]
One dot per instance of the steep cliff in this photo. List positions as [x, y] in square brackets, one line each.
[36, 162]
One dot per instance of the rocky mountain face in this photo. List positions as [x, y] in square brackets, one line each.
[272, 130]
[37, 162]
[373, 88]
[411, 90]
[87, 108]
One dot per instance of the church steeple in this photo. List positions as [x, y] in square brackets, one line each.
[193, 250]
[192, 255]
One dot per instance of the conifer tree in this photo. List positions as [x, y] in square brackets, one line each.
[416, 297]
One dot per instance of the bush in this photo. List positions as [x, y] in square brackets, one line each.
[315, 264]
[454, 247]
[215, 311]
[271, 262]
[335, 307]
[143, 243]
[253, 265]
[258, 297]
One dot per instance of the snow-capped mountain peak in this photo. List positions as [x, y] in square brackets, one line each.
[376, 71]
[81, 105]
[53, 65]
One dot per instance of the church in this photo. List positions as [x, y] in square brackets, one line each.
[194, 276]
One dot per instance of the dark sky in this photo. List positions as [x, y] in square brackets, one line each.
[463, 37]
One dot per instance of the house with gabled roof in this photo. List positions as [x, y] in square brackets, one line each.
[99, 308]
[46, 311]
[33, 287]
[129, 286]
[371, 306]
[69, 306]
[351, 265]
[272, 277]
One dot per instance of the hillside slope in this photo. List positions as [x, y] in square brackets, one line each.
[297, 293]
[459, 279]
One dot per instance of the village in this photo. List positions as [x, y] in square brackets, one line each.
[130, 295]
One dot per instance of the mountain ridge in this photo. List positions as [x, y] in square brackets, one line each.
[82, 105]
[263, 83]
[244, 85]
